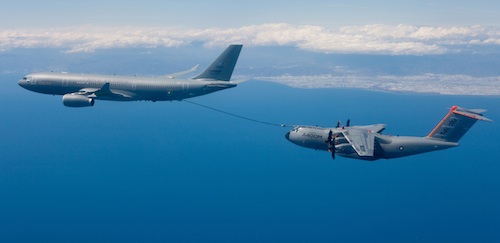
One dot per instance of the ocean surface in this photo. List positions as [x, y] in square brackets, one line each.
[176, 172]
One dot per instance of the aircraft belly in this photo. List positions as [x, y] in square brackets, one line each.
[53, 90]
[318, 144]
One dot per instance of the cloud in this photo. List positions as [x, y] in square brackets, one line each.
[367, 39]
[425, 83]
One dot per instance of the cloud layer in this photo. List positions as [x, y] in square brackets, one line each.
[367, 39]
[426, 83]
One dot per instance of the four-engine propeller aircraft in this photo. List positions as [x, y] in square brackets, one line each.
[367, 142]
[80, 90]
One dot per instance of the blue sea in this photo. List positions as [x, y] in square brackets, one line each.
[176, 172]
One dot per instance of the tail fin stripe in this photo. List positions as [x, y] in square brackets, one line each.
[455, 124]
[472, 115]
[439, 125]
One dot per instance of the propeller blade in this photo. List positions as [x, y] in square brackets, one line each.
[329, 140]
[331, 143]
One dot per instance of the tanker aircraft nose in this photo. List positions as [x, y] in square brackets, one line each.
[25, 82]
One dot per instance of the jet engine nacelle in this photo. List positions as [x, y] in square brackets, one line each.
[76, 100]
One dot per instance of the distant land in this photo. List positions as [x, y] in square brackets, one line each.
[450, 74]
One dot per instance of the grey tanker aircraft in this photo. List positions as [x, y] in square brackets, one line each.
[80, 90]
[367, 142]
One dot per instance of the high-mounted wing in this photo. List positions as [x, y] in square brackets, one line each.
[377, 128]
[175, 75]
[361, 140]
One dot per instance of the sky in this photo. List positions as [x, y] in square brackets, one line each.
[454, 42]
[387, 27]
[171, 171]
[224, 13]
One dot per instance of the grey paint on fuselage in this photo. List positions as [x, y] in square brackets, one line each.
[81, 90]
[343, 141]
[391, 146]
[132, 87]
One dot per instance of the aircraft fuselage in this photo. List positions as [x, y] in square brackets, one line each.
[386, 146]
[80, 90]
[367, 142]
[130, 87]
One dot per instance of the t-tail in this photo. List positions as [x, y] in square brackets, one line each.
[222, 68]
[456, 123]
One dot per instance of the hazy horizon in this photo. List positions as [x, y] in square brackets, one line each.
[175, 172]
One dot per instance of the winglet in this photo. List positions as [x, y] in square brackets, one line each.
[175, 75]
[103, 91]
[239, 81]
